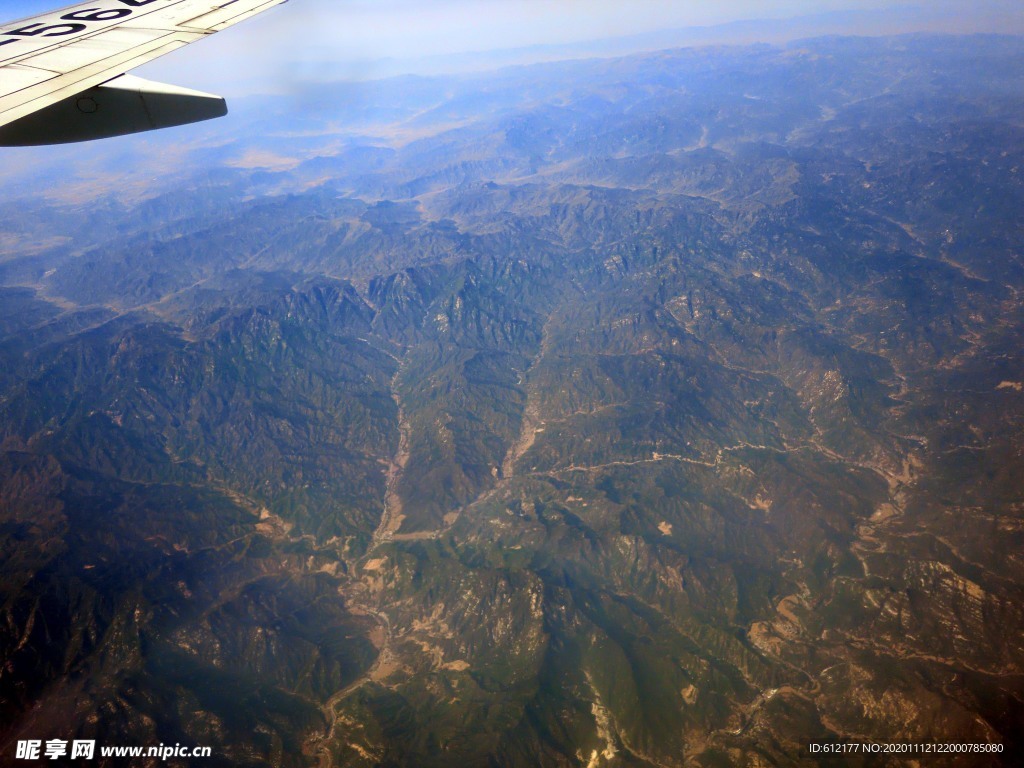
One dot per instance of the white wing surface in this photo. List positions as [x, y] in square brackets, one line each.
[58, 56]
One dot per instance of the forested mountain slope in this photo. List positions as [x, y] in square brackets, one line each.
[659, 411]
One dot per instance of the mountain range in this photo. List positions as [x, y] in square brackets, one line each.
[656, 411]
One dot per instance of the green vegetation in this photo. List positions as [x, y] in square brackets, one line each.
[653, 412]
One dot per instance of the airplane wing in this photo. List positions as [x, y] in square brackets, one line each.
[58, 70]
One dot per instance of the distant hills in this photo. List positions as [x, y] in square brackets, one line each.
[934, 18]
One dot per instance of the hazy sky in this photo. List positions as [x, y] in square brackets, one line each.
[339, 39]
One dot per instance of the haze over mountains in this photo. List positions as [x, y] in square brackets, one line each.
[656, 411]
